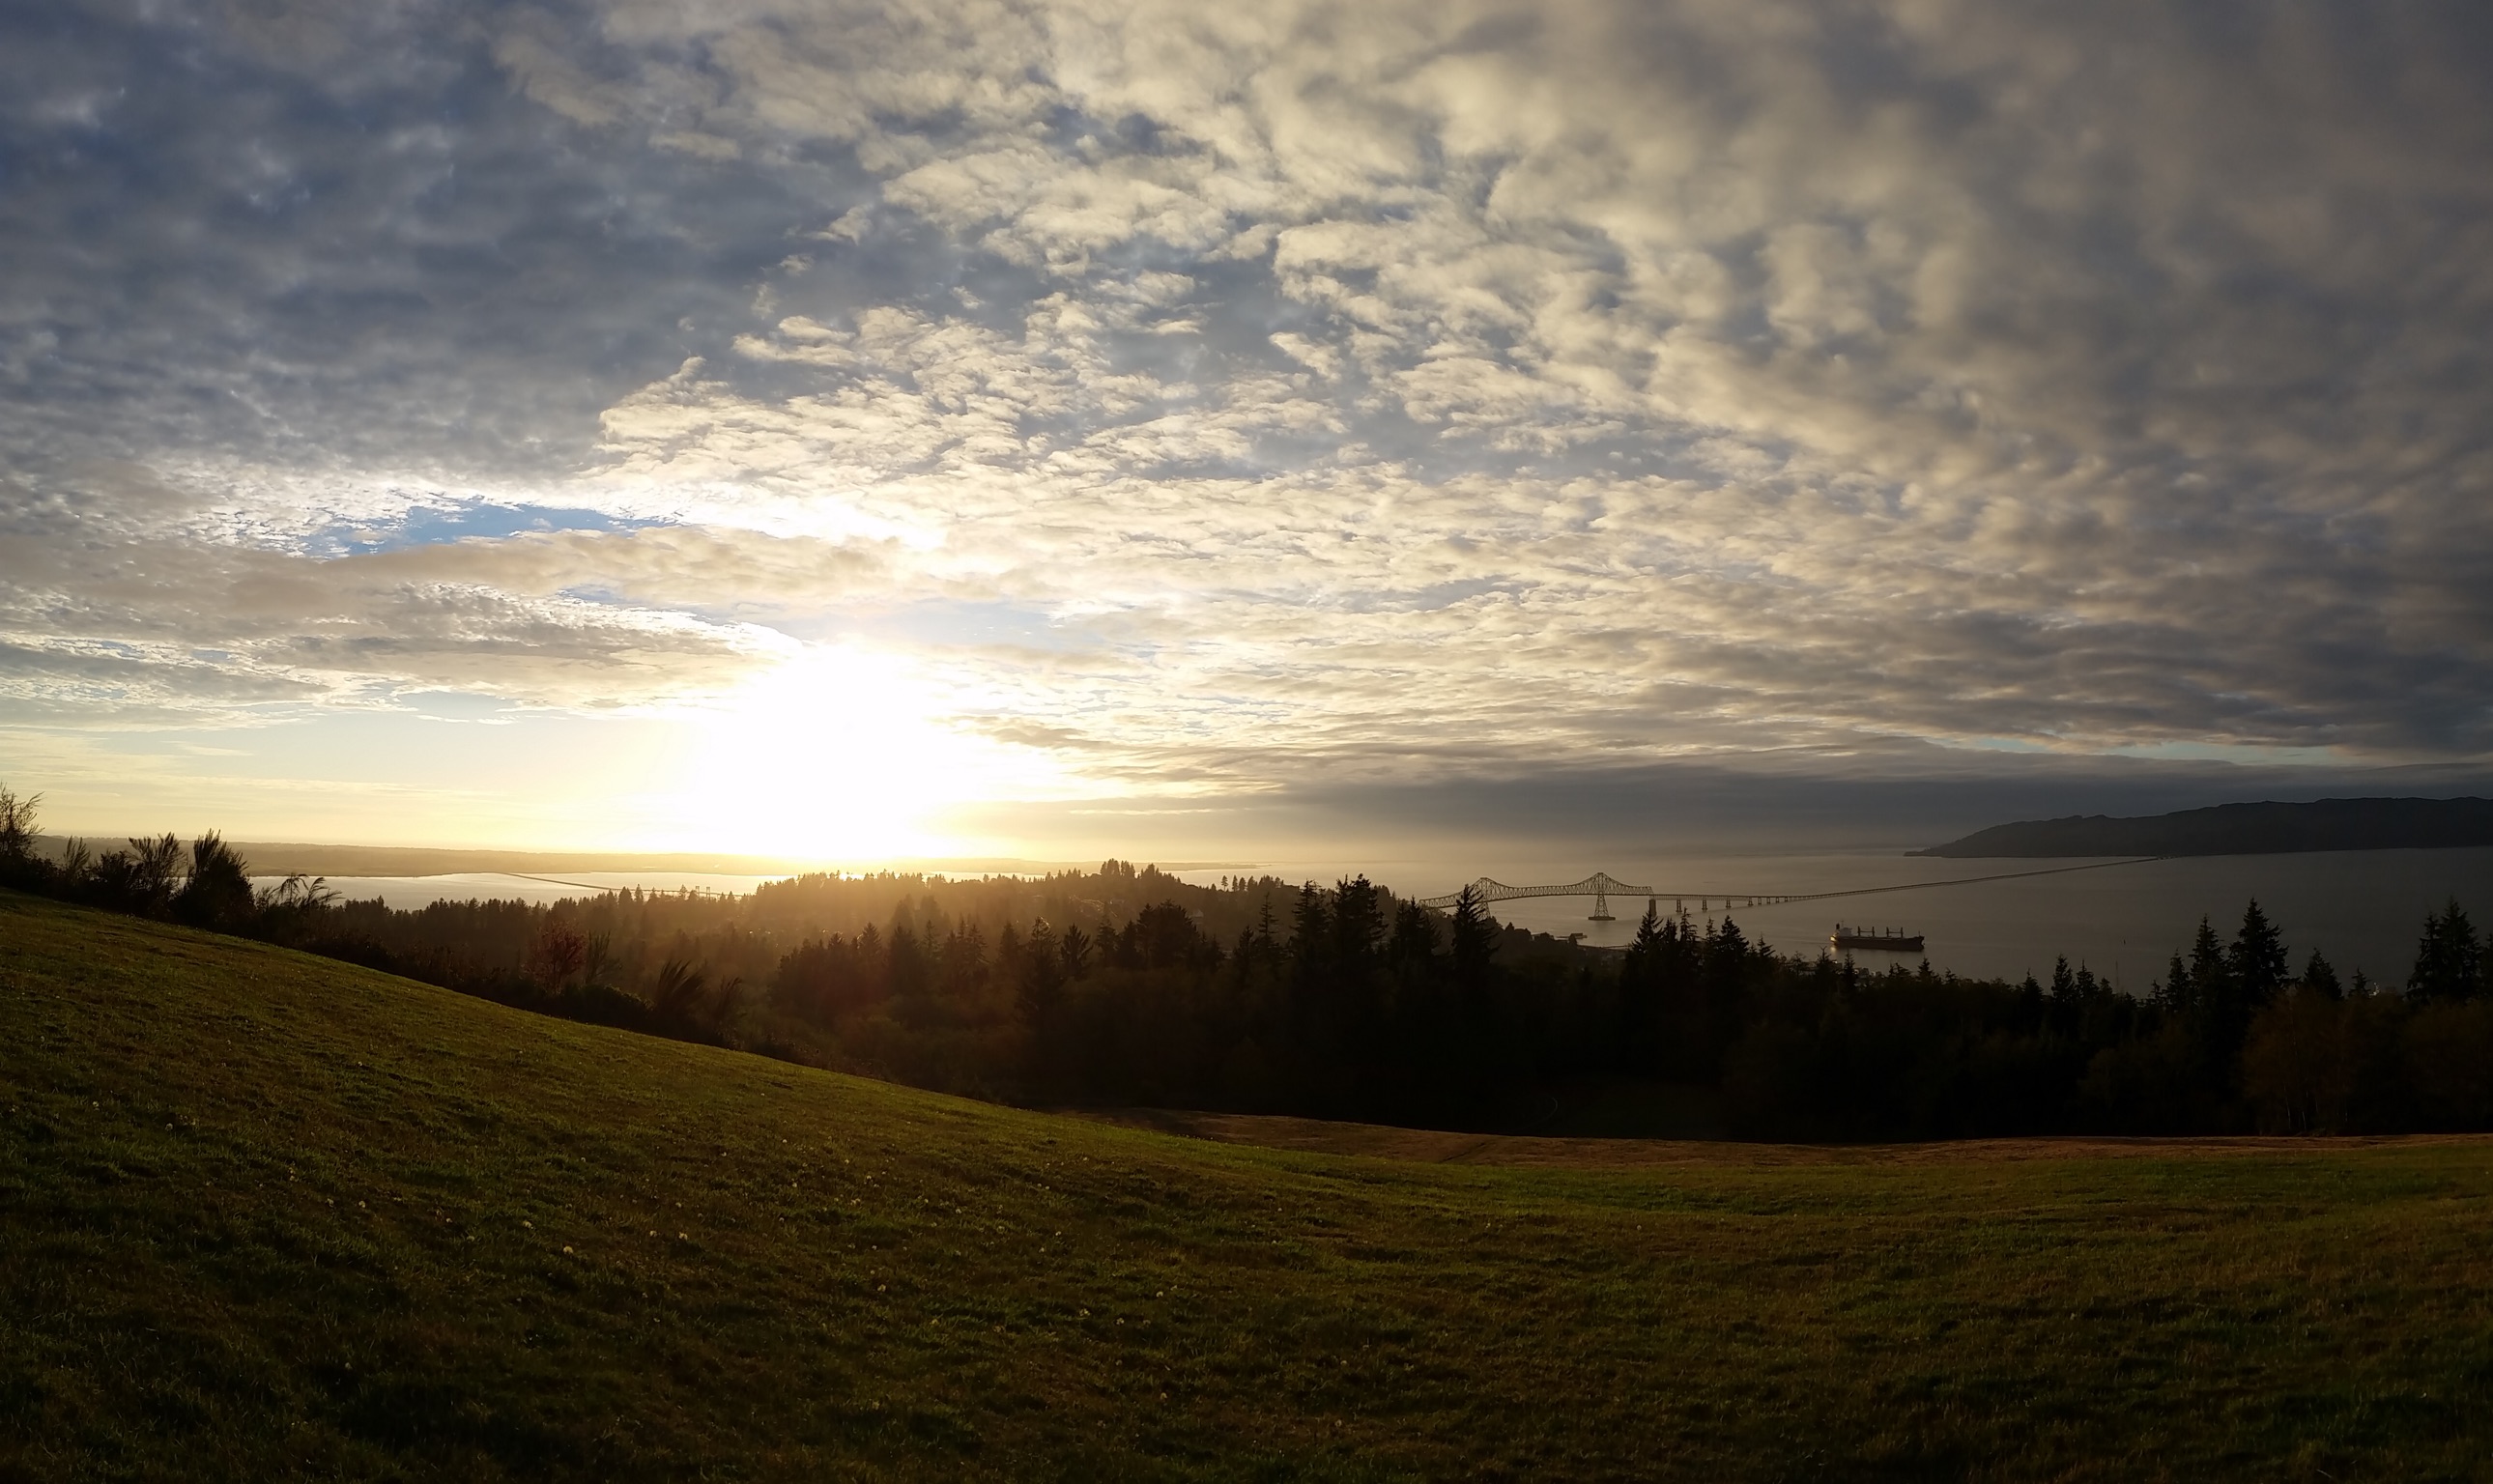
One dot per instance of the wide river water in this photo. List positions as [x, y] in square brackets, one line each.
[2363, 908]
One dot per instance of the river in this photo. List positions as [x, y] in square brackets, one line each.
[2363, 908]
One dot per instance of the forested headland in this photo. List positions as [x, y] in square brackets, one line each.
[1124, 986]
[2243, 829]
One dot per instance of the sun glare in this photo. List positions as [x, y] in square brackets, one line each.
[842, 756]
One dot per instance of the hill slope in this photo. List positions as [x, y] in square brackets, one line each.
[2243, 829]
[266, 1216]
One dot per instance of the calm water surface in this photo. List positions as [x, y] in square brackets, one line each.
[415, 891]
[2361, 908]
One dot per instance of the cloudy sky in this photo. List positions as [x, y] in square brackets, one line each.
[950, 427]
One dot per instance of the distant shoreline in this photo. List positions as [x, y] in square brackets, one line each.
[2239, 829]
[285, 858]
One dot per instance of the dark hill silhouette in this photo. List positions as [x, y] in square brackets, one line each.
[2244, 829]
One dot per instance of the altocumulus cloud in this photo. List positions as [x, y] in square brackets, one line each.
[1311, 385]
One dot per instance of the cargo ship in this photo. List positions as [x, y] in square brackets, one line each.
[1880, 939]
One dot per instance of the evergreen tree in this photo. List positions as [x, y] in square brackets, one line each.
[1357, 927]
[1311, 936]
[1475, 944]
[2257, 959]
[1358, 919]
[2228, 980]
[964, 961]
[2172, 995]
[1642, 974]
[1039, 999]
[911, 975]
[1648, 946]
[2210, 973]
[2449, 959]
[1724, 996]
[2320, 978]
[1412, 949]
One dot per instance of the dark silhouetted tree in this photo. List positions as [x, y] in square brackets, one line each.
[2257, 959]
[17, 864]
[2449, 959]
[1644, 975]
[559, 955]
[683, 1005]
[216, 893]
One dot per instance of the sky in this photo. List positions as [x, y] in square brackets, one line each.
[852, 432]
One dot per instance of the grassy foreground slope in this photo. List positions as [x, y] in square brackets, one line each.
[265, 1215]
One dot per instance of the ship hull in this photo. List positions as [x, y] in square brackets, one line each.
[1845, 942]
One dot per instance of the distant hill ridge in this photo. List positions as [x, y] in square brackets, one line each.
[2244, 829]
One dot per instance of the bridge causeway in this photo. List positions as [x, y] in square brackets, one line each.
[1602, 887]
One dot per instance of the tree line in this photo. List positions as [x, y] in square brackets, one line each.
[1125, 986]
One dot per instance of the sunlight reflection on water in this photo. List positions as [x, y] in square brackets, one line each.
[415, 891]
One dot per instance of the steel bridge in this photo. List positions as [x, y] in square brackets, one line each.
[1602, 887]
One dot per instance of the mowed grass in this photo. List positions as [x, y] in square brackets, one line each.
[267, 1216]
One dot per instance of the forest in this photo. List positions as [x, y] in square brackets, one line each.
[1128, 986]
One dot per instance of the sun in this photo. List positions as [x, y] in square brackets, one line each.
[846, 755]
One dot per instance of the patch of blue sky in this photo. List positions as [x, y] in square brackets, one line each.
[1994, 745]
[2236, 753]
[439, 526]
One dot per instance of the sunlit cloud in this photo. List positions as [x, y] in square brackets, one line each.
[1153, 399]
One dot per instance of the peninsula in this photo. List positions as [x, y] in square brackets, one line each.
[2243, 829]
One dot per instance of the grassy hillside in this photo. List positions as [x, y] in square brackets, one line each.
[265, 1216]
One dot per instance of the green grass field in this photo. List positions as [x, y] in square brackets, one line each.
[267, 1216]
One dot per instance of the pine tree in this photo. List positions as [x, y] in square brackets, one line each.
[1311, 936]
[1648, 935]
[2449, 959]
[1357, 925]
[1414, 936]
[2257, 959]
[2173, 996]
[1040, 998]
[2210, 974]
[1475, 941]
[1641, 975]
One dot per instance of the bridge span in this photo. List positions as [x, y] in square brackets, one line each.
[1602, 887]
